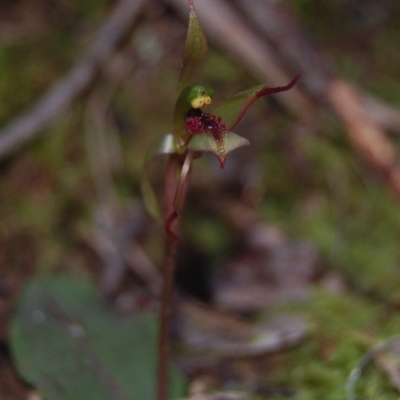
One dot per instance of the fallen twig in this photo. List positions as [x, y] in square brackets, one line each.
[58, 97]
[384, 115]
[103, 147]
[290, 44]
[288, 39]
[366, 135]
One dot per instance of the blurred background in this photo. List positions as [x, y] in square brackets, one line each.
[304, 224]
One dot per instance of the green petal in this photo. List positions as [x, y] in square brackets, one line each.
[230, 141]
[233, 109]
[195, 48]
[229, 109]
[233, 142]
[162, 146]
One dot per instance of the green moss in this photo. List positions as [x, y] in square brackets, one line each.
[344, 328]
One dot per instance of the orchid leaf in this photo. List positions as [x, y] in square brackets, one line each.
[69, 344]
[221, 148]
[233, 109]
[195, 48]
[162, 146]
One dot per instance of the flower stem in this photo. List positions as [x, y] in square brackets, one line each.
[164, 344]
[167, 294]
[174, 199]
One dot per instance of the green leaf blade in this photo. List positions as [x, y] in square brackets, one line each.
[70, 345]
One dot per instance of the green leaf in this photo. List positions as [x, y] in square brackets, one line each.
[195, 48]
[70, 345]
[162, 146]
[230, 141]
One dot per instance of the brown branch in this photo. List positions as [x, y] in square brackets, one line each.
[366, 135]
[290, 44]
[383, 114]
[295, 47]
[58, 97]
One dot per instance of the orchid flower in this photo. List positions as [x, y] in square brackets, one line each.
[196, 131]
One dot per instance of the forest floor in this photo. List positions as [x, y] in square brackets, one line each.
[296, 240]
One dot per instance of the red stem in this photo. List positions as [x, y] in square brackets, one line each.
[174, 197]
[164, 342]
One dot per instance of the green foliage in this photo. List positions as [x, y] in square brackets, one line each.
[70, 345]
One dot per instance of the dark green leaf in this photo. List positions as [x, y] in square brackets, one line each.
[70, 345]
